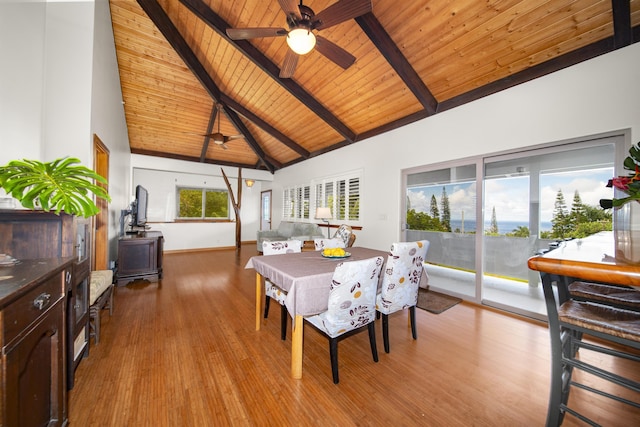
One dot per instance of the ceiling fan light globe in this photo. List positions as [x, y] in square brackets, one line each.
[218, 138]
[301, 40]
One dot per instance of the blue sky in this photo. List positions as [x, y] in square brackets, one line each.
[510, 196]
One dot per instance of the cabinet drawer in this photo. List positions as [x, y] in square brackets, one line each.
[29, 307]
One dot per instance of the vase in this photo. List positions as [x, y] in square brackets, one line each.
[626, 232]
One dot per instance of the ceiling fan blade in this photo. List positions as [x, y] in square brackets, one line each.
[289, 64]
[340, 12]
[224, 146]
[290, 7]
[253, 33]
[334, 52]
[232, 137]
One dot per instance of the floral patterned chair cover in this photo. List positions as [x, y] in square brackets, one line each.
[271, 290]
[344, 233]
[400, 282]
[321, 244]
[351, 305]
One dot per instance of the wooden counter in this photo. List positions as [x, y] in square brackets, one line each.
[592, 259]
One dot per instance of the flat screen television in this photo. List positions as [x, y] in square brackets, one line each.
[139, 210]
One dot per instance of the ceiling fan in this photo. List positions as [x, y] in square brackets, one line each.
[302, 22]
[217, 137]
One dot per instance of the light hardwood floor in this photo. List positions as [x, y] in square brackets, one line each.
[184, 352]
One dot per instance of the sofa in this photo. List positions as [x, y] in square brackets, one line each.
[289, 230]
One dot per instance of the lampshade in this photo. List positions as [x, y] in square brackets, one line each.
[323, 213]
[249, 182]
[301, 40]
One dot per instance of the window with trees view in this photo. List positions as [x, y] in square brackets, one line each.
[484, 217]
[202, 203]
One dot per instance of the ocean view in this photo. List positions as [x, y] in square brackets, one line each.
[503, 226]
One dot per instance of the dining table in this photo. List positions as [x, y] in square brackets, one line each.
[306, 277]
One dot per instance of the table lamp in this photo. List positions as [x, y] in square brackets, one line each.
[325, 215]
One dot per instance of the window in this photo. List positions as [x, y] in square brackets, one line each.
[296, 203]
[202, 203]
[342, 195]
[485, 216]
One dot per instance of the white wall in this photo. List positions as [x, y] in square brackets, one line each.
[59, 85]
[108, 120]
[593, 97]
[161, 176]
[22, 39]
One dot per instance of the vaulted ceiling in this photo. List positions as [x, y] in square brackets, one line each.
[183, 78]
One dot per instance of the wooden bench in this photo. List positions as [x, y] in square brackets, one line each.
[100, 297]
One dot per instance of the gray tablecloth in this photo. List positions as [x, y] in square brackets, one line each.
[306, 276]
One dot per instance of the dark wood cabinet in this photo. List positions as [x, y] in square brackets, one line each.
[27, 235]
[140, 257]
[32, 294]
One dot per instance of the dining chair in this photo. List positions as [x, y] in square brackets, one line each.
[345, 233]
[351, 306]
[400, 282]
[273, 291]
[321, 244]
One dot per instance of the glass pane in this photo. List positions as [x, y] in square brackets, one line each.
[530, 202]
[190, 203]
[354, 199]
[441, 208]
[216, 204]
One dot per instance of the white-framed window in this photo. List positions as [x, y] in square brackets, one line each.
[202, 203]
[339, 193]
[296, 202]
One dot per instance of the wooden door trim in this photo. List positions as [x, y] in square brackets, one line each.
[100, 245]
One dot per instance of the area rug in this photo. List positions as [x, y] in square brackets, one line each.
[435, 302]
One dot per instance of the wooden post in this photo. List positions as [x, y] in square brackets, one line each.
[236, 205]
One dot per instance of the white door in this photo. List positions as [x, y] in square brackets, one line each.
[265, 210]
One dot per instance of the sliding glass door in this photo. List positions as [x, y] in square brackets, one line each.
[485, 218]
[441, 208]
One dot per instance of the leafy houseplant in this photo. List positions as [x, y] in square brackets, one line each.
[60, 185]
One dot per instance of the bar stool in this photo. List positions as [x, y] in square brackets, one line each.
[574, 318]
[616, 295]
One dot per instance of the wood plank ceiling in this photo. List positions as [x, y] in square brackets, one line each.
[413, 59]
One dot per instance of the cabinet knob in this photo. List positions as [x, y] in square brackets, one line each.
[42, 301]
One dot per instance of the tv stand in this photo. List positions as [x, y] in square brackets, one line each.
[139, 257]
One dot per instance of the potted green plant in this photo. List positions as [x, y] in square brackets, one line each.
[59, 185]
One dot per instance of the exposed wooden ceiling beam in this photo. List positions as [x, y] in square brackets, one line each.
[166, 155]
[265, 126]
[204, 12]
[237, 122]
[622, 35]
[387, 47]
[207, 138]
[175, 39]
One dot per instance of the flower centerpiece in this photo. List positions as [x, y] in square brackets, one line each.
[630, 184]
[626, 221]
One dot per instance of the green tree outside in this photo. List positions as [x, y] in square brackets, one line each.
[446, 212]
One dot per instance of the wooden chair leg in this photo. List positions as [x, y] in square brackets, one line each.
[111, 292]
[284, 314]
[385, 332]
[333, 352]
[266, 306]
[412, 316]
[372, 340]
